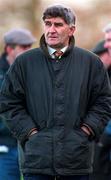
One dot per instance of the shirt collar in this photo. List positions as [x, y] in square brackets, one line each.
[52, 50]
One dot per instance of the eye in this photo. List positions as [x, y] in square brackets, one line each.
[47, 23]
[58, 24]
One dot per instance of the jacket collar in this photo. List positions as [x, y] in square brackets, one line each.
[43, 46]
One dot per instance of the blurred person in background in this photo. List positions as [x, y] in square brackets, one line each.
[56, 100]
[16, 42]
[107, 44]
[102, 149]
[107, 34]
[103, 53]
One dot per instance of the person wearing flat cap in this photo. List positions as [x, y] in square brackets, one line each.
[99, 47]
[102, 148]
[16, 42]
[103, 53]
[56, 100]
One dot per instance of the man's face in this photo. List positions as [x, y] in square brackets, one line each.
[108, 41]
[105, 58]
[13, 52]
[20, 49]
[57, 32]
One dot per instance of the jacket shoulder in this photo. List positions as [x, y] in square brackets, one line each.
[30, 53]
[29, 56]
[85, 52]
[87, 56]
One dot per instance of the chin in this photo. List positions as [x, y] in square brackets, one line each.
[55, 45]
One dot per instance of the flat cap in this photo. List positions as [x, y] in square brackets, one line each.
[99, 48]
[107, 28]
[19, 36]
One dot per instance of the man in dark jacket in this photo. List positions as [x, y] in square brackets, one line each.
[101, 163]
[16, 41]
[56, 103]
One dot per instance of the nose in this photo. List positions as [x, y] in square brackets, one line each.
[52, 28]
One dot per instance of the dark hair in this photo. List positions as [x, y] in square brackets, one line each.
[60, 11]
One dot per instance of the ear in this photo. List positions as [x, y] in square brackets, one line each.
[72, 30]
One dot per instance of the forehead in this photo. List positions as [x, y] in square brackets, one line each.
[55, 20]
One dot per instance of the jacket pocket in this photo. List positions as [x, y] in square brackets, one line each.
[76, 151]
[38, 150]
[83, 135]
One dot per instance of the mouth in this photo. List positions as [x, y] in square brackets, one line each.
[52, 37]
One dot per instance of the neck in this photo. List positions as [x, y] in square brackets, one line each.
[63, 49]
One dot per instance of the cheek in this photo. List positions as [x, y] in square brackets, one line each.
[66, 32]
[46, 30]
[19, 51]
[107, 44]
[46, 34]
[64, 35]
[13, 53]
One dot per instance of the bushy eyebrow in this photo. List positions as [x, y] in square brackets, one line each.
[55, 23]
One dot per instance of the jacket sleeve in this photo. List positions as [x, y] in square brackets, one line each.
[99, 106]
[3, 129]
[13, 108]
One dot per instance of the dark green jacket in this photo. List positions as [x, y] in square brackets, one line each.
[57, 98]
[6, 137]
